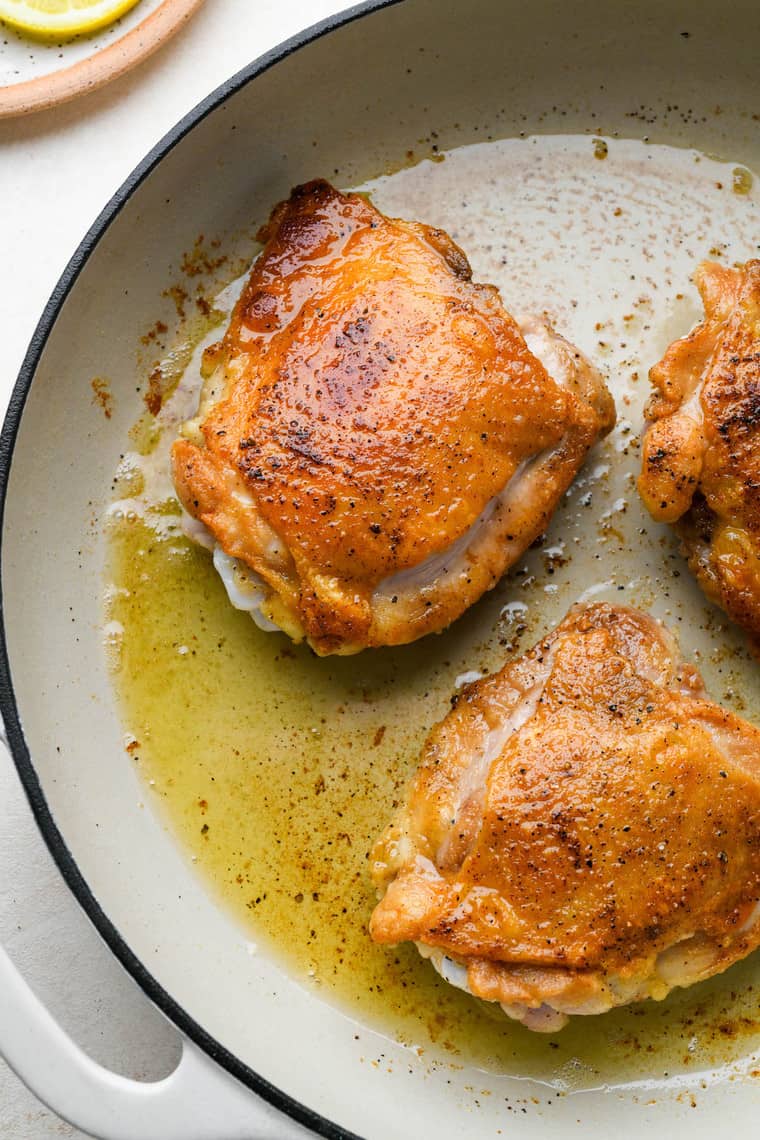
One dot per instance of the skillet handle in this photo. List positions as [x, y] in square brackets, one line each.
[198, 1101]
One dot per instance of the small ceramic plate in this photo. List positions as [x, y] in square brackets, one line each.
[35, 74]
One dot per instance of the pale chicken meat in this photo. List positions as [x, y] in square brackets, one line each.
[583, 830]
[377, 440]
[701, 455]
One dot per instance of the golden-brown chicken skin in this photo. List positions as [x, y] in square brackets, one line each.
[583, 830]
[376, 441]
[701, 456]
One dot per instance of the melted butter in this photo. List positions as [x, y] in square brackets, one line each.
[277, 770]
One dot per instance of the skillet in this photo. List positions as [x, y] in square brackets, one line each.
[353, 98]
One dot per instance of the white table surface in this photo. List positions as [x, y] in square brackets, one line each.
[57, 169]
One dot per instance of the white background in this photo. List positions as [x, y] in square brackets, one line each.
[57, 170]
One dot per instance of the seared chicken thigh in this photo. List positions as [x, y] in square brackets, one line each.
[377, 440]
[583, 830]
[701, 463]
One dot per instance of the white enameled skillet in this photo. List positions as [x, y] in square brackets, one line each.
[348, 99]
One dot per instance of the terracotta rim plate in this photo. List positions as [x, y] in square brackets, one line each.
[106, 64]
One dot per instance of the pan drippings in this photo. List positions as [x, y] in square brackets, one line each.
[276, 770]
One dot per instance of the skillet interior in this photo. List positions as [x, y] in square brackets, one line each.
[353, 103]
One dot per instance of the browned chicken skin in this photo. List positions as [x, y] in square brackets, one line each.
[701, 461]
[583, 830]
[376, 440]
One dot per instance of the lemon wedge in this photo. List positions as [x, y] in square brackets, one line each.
[62, 18]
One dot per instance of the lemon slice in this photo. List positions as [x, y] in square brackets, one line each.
[62, 18]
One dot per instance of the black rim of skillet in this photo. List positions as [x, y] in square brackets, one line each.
[8, 708]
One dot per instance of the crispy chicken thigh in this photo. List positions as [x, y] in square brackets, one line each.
[377, 440]
[583, 830]
[701, 462]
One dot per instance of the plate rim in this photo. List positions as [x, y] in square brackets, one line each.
[9, 712]
[104, 65]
